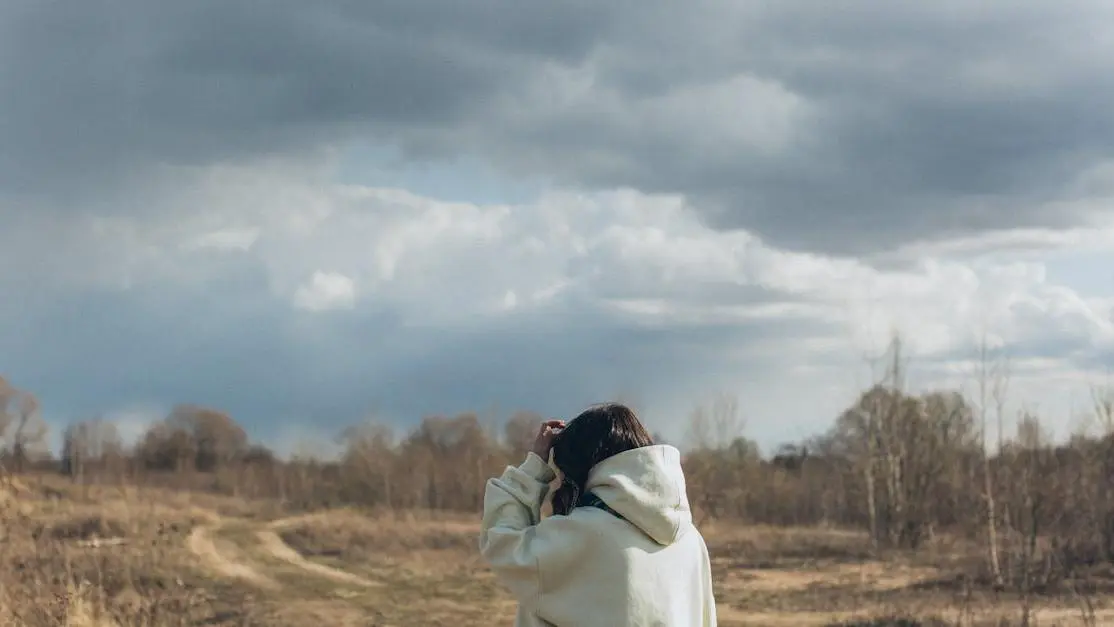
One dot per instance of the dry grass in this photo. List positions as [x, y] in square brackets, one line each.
[109, 557]
[102, 560]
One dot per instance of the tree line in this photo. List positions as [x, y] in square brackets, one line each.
[902, 466]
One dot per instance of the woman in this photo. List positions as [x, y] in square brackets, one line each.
[620, 548]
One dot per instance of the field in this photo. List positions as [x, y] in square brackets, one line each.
[117, 557]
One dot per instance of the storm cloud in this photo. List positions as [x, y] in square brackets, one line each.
[872, 123]
[212, 202]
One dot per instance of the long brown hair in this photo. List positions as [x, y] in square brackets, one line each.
[593, 436]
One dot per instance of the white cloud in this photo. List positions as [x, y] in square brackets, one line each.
[326, 291]
[633, 260]
[651, 256]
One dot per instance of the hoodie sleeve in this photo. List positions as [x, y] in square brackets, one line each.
[509, 540]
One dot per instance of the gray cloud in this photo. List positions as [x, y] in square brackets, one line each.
[231, 346]
[848, 128]
[102, 89]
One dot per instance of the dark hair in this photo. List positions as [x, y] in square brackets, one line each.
[593, 436]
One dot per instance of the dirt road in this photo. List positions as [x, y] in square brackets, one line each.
[272, 543]
[201, 543]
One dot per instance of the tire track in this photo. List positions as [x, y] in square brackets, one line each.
[278, 549]
[201, 544]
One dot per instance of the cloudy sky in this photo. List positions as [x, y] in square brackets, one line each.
[311, 213]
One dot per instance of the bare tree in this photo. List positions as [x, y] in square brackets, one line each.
[167, 448]
[717, 424]
[1030, 466]
[720, 459]
[1103, 402]
[992, 385]
[1102, 398]
[519, 431]
[905, 449]
[369, 458]
[217, 437]
[90, 444]
[7, 396]
[26, 431]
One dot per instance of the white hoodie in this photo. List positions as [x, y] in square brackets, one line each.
[592, 568]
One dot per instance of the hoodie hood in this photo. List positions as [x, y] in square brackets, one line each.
[645, 485]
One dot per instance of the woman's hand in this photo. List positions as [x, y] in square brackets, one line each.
[544, 440]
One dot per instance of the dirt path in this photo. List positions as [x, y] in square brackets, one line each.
[275, 547]
[265, 542]
[201, 543]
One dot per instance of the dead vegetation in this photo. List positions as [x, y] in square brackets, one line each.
[905, 512]
[421, 567]
[115, 563]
